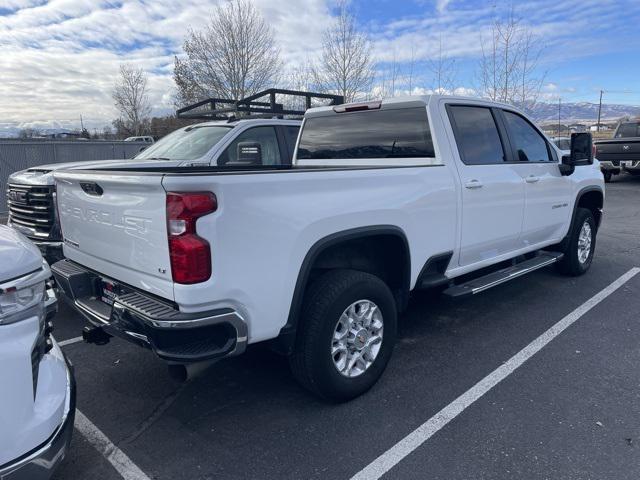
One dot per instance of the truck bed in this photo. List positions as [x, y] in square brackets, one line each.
[266, 222]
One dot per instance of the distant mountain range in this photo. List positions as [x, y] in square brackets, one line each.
[582, 111]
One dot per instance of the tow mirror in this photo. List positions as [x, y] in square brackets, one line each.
[581, 153]
[581, 149]
[249, 153]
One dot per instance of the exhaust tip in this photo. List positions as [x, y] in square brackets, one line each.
[184, 372]
[95, 335]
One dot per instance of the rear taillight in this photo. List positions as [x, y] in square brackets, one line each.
[190, 254]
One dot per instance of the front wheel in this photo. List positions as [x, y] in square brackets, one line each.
[346, 334]
[578, 253]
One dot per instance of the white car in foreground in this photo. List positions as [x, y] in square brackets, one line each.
[37, 403]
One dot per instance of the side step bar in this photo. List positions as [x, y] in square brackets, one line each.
[481, 284]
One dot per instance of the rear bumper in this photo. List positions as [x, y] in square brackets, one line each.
[609, 167]
[150, 322]
[40, 463]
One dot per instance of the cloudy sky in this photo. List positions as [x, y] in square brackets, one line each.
[59, 58]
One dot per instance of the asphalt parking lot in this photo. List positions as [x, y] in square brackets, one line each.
[571, 411]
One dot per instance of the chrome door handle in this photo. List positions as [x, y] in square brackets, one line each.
[471, 184]
[532, 179]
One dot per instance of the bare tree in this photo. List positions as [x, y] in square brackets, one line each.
[509, 63]
[391, 77]
[131, 98]
[443, 70]
[346, 67]
[28, 133]
[233, 57]
[301, 77]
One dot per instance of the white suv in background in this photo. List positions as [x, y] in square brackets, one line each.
[37, 404]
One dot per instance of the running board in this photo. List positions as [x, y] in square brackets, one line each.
[481, 284]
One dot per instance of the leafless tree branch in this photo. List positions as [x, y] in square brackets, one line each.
[345, 66]
[233, 57]
[131, 98]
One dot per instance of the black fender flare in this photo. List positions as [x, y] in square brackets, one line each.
[286, 338]
[591, 188]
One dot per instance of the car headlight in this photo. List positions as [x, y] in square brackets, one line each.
[14, 301]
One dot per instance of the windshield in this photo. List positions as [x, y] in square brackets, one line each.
[188, 143]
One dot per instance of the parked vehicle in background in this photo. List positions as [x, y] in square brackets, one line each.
[145, 139]
[318, 258]
[37, 405]
[31, 193]
[622, 152]
[563, 144]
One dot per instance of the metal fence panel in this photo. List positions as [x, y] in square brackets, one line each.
[18, 155]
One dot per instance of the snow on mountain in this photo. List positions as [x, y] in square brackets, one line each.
[582, 111]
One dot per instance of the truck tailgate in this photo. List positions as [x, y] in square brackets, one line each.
[115, 224]
[618, 149]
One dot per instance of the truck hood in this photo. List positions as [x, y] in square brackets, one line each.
[43, 174]
[18, 256]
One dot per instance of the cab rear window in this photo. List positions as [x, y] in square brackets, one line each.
[401, 133]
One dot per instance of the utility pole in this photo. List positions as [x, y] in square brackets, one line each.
[559, 102]
[599, 111]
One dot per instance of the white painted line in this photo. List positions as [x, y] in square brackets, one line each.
[408, 444]
[70, 341]
[123, 464]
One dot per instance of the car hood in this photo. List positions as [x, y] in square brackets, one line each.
[43, 174]
[18, 256]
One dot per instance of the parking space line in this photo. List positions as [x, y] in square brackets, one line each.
[116, 457]
[408, 444]
[69, 341]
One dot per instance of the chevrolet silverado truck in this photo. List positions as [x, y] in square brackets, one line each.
[320, 257]
[31, 193]
[622, 152]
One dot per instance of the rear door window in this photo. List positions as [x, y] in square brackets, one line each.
[265, 136]
[398, 133]
[529, 145]
[476, 135]
[627, 130]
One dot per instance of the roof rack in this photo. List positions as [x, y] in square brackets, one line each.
[255, 105]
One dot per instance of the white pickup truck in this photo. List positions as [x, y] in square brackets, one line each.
[320, 257]
[31, 193]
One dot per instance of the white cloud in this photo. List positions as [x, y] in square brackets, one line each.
[60, 59]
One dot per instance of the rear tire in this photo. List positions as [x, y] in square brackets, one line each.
[334, 319]
[581, 244]
[608, 175]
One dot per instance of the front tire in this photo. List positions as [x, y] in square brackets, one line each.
[346, 335]
[581, 244]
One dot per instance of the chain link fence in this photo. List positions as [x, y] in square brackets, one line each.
[18, 155]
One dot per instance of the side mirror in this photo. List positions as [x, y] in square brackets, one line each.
[581, 153]
[581, 149]
[249, 153]
[142, 149]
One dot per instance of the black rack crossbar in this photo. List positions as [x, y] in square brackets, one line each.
[222, 108]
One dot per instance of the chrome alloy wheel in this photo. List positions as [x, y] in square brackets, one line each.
[357, 338]
[584, 242]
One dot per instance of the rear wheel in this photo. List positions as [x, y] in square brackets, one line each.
[580, 248]
[608, 175]
[346, 334]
